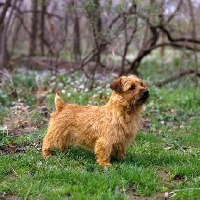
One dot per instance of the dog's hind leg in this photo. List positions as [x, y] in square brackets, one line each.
[47, 146]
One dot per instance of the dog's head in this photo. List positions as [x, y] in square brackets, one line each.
[131, 89]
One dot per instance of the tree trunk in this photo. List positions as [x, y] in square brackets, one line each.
[97, 27]
[77, 46]
[42, 26]
[4, 57]
[33, 36]
[3, 49]
[125, 47]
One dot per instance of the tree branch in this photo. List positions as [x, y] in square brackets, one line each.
[3, 14]
[178, 76]
[183, 39]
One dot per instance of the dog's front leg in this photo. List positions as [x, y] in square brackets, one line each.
[119, 152]
[103, 152]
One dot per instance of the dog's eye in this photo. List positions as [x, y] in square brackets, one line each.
[132, 87]
[142, 84]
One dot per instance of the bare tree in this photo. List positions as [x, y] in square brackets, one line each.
[34, 28]
[163, 25]
[77, 47]
[42, 26]
[3, 29]
[94, 30]
[128, 39]
[94, 15]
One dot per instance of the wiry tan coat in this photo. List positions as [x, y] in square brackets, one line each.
[107, 129]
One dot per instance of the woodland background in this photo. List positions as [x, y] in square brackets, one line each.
[76, 48]
[96, 35]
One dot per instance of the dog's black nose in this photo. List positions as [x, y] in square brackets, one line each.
[146, 92]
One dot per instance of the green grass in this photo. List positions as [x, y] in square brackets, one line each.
[163, 160]
[75, 174]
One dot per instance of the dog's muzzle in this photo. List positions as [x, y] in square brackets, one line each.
[146, 93]
[144, 96]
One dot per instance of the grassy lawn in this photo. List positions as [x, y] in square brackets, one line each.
[162, 163]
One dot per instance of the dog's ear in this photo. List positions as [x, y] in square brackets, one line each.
[117, 85]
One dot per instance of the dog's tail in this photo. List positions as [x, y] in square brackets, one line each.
[59, 103]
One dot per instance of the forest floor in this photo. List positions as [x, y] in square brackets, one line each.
[162, 163]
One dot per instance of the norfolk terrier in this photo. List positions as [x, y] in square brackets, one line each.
[107, 130]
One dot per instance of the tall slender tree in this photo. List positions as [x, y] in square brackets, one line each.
[34, 29]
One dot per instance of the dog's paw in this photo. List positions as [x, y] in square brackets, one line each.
[46, 154]
[105, 164]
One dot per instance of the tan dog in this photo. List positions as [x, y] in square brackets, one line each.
[107, 130]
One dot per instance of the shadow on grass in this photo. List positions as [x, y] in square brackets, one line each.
[86, 157]
[152, 159]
